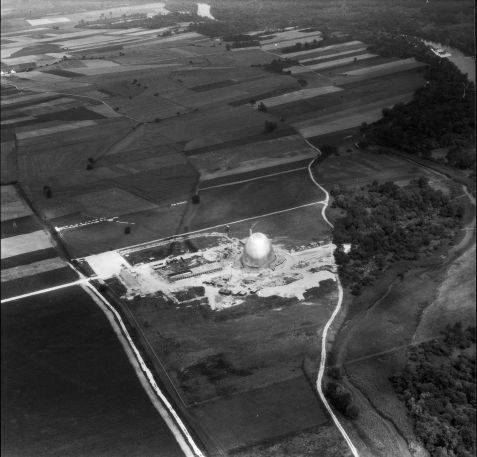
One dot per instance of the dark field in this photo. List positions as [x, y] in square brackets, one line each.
[255, 371]
[37, 282]
[353, 95]
[250, 199]
[273, 411]
[67, 386]
[19, 226]
[29, 257]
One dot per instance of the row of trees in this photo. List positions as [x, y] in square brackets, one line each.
[441, 115]
[385, 223]
[438, 386]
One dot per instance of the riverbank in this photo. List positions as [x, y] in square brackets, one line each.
[407, 306]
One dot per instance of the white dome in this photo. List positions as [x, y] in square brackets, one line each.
[258, 251]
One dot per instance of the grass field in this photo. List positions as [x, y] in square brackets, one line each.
[276, 410]
[251, 157]
[67, 386]
[359, 168]
[256, 370]
[218, 207]
[225, 204]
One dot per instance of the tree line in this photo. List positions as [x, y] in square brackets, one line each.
[384, 223]
[441, 114]
[438, 387]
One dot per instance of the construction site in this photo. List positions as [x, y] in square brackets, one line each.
[228, 270]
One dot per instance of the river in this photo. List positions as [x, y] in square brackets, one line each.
[464, 63]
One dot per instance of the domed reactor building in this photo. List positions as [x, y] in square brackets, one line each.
[257, 252]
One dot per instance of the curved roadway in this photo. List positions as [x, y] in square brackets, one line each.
[321, 371]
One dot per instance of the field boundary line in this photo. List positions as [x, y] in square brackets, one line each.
[324, 336]
[172, 419]
[49, 289]
[251, 179]
[151, 244]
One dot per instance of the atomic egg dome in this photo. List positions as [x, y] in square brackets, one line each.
[257, 252]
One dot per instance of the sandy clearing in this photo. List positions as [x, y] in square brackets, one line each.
[330, 64]
[390, 67]
[22, 244]
[302, 94]
[46, 20]
[49, 130]
[31, 269]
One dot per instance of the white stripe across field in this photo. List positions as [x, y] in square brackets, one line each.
[302, 94]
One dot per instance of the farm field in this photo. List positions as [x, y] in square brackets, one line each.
[359, 168]
[124, 131]
[29, 258]
[67, 386]
[216, 210]
[226, 373]
[264, 154]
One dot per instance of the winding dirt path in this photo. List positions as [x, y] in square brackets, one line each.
[324, 336]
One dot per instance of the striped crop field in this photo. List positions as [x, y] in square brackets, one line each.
[326, 50]
[330, 64]
[350, 118]
[332, 56]
[386, 68]
[63, 127]
[302, 94]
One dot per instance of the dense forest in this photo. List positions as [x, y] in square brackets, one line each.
[385, 223]
[441, 115]
[444, 21]
[438, 386]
